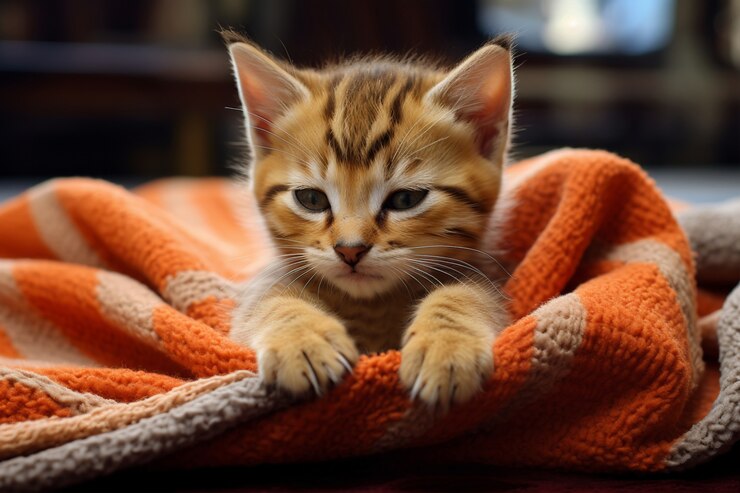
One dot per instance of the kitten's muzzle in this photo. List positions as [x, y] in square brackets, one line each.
[351, 254]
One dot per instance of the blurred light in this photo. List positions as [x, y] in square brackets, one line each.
[582, 27]
[572, 27]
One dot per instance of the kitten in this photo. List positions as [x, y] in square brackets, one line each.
[375, 178]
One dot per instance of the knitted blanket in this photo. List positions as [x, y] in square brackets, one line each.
[115, 348]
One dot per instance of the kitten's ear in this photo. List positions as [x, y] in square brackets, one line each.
[480, 91]
[266, 90]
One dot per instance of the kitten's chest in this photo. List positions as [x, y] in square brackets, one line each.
[375, 326]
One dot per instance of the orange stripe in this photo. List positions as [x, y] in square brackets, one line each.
[135, 236]
[214, 312]
[6, 345]
[198, 347]
[20, 238]
[119, 384]
[211, 198]
[21, 403]
[362, 408]
[66, 296]
[598, 199]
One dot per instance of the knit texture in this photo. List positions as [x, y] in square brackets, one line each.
[115, 320]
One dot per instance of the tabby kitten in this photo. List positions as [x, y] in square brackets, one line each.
[376, 179]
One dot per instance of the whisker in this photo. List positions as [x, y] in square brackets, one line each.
[493, 259]
[428, 276]
[398, 276]
[406, 273]
[309, 269]
[318, 290]
[269, 270]
[433, 266]
[449, 261]
[305, 285]
[292, 271]
[453, 261]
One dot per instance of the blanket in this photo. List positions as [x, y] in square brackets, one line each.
[115, 320]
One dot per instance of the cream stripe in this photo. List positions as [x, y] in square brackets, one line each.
[672, 268]
[27, 363]
[32, 335]
[77, 402]
[177, 201]
[561, 325]
[28, 437]
[129, 305]
[56, 228]
[188, 287]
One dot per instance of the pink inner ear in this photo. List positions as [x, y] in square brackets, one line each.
[486, 134]
[261, 126]
[493, 114]
[259, 119]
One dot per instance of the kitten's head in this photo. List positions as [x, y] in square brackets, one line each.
[374, 170]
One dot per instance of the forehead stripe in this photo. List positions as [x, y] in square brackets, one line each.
[395, 117]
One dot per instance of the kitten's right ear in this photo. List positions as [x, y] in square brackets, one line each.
[480, 90]
[265, 88]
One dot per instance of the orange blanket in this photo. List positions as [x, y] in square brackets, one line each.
[115, 349]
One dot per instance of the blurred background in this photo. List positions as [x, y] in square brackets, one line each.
[136, 89]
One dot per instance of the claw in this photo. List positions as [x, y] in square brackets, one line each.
[418, 386]
[452, 394]
[332, 376]
[312, 378]
[345, 362]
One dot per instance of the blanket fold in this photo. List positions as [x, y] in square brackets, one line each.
[115, 320]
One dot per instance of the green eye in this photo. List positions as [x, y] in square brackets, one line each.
[312, 199]
[404, 199]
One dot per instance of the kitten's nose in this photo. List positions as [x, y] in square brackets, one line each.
[351, 254]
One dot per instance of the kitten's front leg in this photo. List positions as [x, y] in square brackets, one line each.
[299, 346]
[447, 349]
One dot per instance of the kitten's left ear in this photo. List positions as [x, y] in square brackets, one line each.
[266, 90]
[480, 91]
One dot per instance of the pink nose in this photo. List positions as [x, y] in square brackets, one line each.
[351, 254]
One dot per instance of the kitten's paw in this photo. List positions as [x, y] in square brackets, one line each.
[311, 353]
[444, 366]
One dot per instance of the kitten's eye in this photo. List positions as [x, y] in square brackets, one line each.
[404, 199]
[312, 199]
